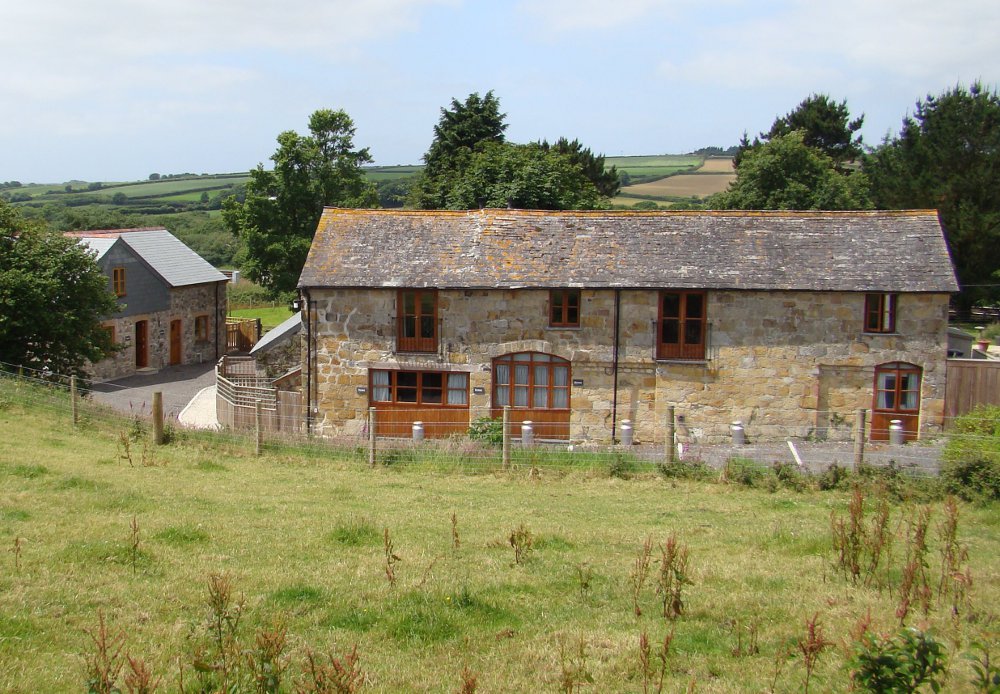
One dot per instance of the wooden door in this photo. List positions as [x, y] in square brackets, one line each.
[537, 388]
[175, 342]
[141, 344]
[897, 396]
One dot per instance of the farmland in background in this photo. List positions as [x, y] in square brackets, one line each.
[709, 176]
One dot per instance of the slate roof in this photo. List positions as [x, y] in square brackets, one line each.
[900, 251]
[164, 253]
[278, 334]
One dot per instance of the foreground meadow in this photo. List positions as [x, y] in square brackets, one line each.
[200, 556]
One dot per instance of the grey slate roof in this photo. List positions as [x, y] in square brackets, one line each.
[900, 251]
[165, 254]
[278, 334]
[100, 245]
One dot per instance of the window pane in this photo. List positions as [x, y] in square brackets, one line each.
[540, 397]
[522, 356]
[433, 380]
[695, 307]
[409, 326]
[561, 375]
[560, 398]
[692, 332]
[503, 374]
[573, 299]
[541, 375]
[406, 378]
[431, 396]
[409, 303]
[427, 326]
[427, 303]
[408, 394]
[670, 332]
[671, 305]
[521, 374]
[573, 315]
[886, 399]
[503, 396]
[520, 396]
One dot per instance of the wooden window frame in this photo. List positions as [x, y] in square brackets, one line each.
[421, 390]
[551, 362]
[118, 281]
[880, 312]
[562, 303]
[682, 350]
[110, 330]
[201, 328]
[898, 370]
[416, 342]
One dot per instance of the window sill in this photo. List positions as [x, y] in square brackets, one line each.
[692, 362]
[874, 334]
[564, 327]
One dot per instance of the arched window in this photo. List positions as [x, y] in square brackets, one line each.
[531, 380]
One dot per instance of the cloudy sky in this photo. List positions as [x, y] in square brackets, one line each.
[118, 89]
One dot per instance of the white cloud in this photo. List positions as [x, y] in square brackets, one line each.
[810, 44]
[568, 15]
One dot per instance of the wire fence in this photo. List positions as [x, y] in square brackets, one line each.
[486, 445]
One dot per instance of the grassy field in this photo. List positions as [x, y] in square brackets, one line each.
[300, 540]
[270, 316]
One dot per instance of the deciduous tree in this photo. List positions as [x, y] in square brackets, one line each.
[825, 124]
[277, 219]
[53, 297]
[786, 174]
[947, 157]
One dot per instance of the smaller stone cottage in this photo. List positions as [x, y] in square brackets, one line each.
[172, 302]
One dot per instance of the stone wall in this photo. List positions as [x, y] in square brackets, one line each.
[783, 363]
[186, 303]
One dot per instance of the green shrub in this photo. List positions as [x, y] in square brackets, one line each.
[487, 430]
[971, 468]
[789, 475]
[902, 663]
[686, 470]
[746, 472]
[834, 477]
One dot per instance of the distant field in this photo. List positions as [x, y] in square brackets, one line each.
[180, 185]
[683, 185]
[712, 176]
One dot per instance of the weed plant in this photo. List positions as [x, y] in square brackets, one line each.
[298, 534]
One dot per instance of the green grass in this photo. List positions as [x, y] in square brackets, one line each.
[270, 316]
[300, 536]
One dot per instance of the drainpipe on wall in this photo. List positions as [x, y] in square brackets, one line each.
[614, 368]
[218, 319]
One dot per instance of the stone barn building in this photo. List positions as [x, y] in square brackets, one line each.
[172, 302]
[785, 321]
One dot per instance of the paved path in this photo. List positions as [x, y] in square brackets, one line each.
[179, 385]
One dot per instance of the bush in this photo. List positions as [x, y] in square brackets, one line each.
[902, 663]
[745, 472]
[682, 470]
[971, 468]
[487, 430]
[834, 477]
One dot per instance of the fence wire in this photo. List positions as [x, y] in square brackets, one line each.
[484, 451]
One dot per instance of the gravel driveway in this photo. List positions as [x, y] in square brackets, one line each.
[134, 394]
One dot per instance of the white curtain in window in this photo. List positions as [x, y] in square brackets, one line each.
[380, 386]
[458, 389]
[560, 394]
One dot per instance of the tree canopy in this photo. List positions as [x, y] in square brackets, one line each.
[277, 219]
[825, 124]
[947, 157]
[786, 174]
[53, 297]
[460, 132]
[470, 164]
[503, 174]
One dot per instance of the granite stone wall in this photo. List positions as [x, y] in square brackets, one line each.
[783, 363]
[186, 303]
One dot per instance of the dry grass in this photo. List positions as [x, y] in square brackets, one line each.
[683, 185]
[301, 539]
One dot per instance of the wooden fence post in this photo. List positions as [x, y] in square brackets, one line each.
[505, 449]
[668, 441]
[158, 418]
[859, 439]
[72, 397]
[258, 415]
[371, 437]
